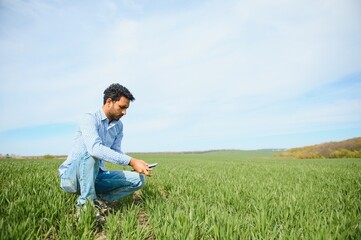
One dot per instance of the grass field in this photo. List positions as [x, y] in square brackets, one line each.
[216, 195]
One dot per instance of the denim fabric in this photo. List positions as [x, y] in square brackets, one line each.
[69, 180]
[88, 169]
[113, 185]
[84, 177]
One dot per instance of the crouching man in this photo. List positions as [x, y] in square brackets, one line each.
[98, 140]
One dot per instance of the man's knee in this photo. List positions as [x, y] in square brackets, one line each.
[139, 182]
[143, 180]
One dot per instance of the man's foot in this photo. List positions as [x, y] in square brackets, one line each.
[80, 212]
[102, 207]
[99, 209]
[100, 218]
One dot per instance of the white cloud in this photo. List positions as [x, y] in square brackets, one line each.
[219, 64]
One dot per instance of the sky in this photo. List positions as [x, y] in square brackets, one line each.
[221, 74]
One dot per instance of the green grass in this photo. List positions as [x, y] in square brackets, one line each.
[217, 195]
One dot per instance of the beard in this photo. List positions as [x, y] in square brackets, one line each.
[114, 117]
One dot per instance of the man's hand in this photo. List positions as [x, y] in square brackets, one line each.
[140, 166]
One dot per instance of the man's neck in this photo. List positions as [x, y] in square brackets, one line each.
[106, 113]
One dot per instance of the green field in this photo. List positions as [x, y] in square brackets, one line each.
[216, 195]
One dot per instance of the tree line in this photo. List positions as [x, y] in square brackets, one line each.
[350, 148]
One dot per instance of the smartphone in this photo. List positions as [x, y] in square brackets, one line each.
[152, 165]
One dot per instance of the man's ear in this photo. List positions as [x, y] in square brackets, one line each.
[108, 102]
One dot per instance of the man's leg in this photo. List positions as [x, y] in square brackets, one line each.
[88, 168]
[113, 185]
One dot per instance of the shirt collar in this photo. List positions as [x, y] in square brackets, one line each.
[102, 114]
[104, 118]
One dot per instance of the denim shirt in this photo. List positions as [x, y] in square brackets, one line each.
[101, 139]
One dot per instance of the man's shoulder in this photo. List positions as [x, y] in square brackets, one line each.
[99, 114]
[92, 117]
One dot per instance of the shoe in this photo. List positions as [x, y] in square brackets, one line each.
[102, 207]
[100, 218]
[81, 212]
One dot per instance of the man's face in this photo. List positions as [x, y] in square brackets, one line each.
[117, 109]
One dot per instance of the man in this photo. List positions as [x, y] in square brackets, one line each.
[97, 140]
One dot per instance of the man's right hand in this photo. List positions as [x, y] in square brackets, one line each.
[140, 166]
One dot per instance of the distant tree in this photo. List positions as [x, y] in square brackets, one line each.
[48, 156]
[344, 153]
[350, 148]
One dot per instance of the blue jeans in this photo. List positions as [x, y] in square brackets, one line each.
[84, 177]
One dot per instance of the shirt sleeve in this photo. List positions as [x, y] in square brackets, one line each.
[95, 146]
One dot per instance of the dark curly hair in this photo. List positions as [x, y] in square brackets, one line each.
[115, 91]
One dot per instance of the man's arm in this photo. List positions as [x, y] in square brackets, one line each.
[138, 165]
[94, 144]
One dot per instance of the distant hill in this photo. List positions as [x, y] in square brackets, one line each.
[350, 148]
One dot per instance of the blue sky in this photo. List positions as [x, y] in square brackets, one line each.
[205, 74]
